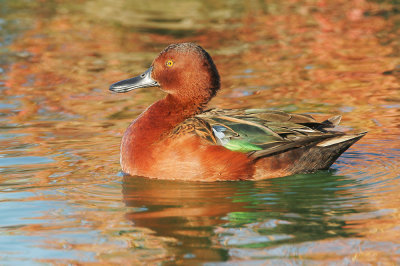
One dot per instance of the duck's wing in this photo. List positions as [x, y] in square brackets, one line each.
[259, 132]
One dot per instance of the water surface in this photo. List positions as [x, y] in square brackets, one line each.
[63, 199]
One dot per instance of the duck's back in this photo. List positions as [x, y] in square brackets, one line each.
[279, 143]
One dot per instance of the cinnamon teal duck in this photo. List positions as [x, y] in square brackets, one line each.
[177, 138]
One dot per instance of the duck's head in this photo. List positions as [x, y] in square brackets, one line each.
[184, 70]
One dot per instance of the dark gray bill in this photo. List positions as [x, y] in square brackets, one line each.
[142, 81]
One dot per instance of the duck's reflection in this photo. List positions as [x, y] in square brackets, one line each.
[187, 211]
[203, 216]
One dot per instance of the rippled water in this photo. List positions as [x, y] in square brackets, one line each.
[63, 199]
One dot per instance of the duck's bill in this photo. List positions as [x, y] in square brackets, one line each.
[142, 81]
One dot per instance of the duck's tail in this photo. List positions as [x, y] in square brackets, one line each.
[314, 156]
[331, 149]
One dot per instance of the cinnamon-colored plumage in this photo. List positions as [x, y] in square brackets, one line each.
[175, 139]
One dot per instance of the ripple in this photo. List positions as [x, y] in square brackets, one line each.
[24, 160]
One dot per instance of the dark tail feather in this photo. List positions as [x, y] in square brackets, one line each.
[314, 156]
[330, 123]
[325, 153]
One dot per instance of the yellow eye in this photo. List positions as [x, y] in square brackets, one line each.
[169, 63]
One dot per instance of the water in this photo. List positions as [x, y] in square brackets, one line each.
[63, 199]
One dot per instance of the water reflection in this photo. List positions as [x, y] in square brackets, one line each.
[61, 199]
[208, 219]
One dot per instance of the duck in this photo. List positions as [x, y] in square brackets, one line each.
[178, 138]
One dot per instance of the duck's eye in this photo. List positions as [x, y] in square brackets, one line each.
[169, 63]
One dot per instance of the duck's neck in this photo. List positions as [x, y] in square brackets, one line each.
[162, 117]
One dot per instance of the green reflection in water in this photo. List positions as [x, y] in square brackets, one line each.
[211, 218]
